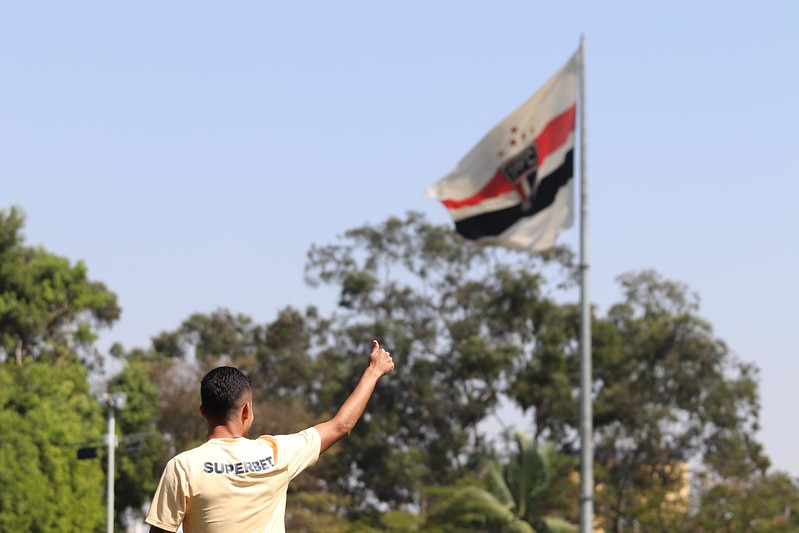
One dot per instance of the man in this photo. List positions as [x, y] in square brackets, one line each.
[235, 484]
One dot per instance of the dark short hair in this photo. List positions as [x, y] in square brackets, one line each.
[222, 390]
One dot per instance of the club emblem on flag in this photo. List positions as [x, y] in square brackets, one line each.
[521, 172]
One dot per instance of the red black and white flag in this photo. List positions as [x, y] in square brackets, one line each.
[516, 186]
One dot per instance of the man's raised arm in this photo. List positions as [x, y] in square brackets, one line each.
[338, 427]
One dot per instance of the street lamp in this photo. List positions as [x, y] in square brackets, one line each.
[114, 401]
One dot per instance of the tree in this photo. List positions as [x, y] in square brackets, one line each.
[508, 498]
[667, 392]
[49, 308]
[49, 313]
[45, 412]
[470, 325]
[765, 503]
[458, 317]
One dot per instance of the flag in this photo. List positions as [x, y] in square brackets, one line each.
[516, 186]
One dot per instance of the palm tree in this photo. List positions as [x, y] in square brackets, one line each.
[504, 501]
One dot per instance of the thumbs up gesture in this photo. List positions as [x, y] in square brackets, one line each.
[380, 360]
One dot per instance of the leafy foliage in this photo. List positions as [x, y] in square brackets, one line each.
[507, 500]
[48, 307]
[764, 503]
[49, 313]
[456, 316]
[45, 412]
[667, 392]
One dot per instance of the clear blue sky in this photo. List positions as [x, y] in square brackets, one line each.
[191, 152]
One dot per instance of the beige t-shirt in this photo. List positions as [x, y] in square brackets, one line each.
[232, 485]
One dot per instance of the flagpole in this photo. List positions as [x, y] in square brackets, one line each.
[586, 415]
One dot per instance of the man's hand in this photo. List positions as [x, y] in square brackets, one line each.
[380, 360]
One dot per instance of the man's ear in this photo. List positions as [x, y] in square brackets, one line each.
[246, 410]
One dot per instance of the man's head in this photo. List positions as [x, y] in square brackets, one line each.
[223, 392]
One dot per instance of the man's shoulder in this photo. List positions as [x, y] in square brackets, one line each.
[305, 433]
[310, 434]
[307, 439]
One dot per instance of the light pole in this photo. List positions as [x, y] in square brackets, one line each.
[114, 401]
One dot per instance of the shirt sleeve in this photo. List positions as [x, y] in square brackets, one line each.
[298, 451]
[171, 498]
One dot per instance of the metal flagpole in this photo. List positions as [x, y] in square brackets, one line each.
[114, 401]
[586, 414]
[112, 444]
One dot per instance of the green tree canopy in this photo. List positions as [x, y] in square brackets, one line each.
[458, 317]
[470, 325]
[761, 504]
[49, 308]
[668, 394]
[49, 314]
[45, 412]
